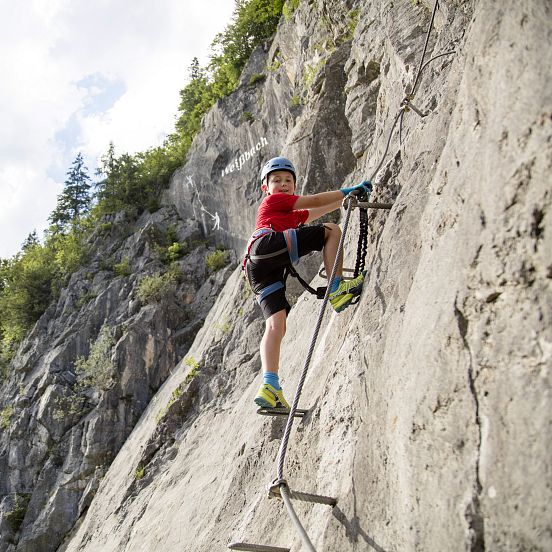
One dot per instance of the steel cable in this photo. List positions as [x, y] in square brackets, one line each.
[428, 34]
[295, 519]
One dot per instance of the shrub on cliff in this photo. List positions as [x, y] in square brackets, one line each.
[217, 260]
[158, 286]
[16, 515]
[30, 280]
[96, 371]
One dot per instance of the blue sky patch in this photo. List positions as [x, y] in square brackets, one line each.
[102, 93]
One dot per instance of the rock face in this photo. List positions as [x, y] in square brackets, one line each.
[429, 401]
[65, 426]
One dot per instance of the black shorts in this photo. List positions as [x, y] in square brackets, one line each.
[263, 272]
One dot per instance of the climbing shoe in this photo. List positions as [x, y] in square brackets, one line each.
[348, 289]
[269, 397]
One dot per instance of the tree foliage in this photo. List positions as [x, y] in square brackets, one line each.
[253, 22]
[133, 183]
[74, 202]
[26, 290]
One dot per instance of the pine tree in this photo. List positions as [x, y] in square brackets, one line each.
[30, 241]
[75, 200]
[106, 186]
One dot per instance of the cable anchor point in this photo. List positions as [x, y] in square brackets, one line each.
[350, 201]
[274, 488]
[407, 105]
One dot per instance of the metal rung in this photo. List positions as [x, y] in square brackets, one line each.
[274, 491]
[368, 205]
[407, 105]
[299, 413]
[246, 547]
[322, 273]
[318, 499]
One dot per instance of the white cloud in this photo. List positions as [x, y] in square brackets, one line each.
[78, 74]
[20, 211]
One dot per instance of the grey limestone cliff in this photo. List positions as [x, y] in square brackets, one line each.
[429, 401]
[63, 426]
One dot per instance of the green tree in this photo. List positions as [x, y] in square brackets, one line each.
[253, 22]
[75, 200]
[30, 241]
[156, 166]
[26, 290]
[195, 101]
[134, 181]
[105, 189]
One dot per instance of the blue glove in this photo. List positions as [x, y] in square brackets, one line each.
[363, 188]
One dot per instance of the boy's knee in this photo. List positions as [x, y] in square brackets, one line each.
[276, 324]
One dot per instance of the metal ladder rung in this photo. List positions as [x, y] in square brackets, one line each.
[246, 547]
[369, 205]
[299, 413]
[317, 499]
[274, 491]
[322, 273]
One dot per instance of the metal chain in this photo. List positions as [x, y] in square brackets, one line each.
[362, 246]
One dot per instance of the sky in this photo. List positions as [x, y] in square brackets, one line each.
[77, 74]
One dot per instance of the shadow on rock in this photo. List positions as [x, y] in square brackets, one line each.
[354, 531]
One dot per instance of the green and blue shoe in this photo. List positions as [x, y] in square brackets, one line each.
[269, 397]
[348, 289]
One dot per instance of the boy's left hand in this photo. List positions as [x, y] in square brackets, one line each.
[364, 188]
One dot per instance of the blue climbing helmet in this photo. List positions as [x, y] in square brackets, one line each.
[278, 164]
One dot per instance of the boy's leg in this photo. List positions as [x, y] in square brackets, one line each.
[270, 394]
[332, 235]
[341, 292]
[275, 329]
[262, 274]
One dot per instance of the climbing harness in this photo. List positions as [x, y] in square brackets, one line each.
[279, 487]
[290, 236]
[291, 249]
[266, 291]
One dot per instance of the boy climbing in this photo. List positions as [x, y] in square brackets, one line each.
[280, 237]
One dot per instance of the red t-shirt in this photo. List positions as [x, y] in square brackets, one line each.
[276, 212]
